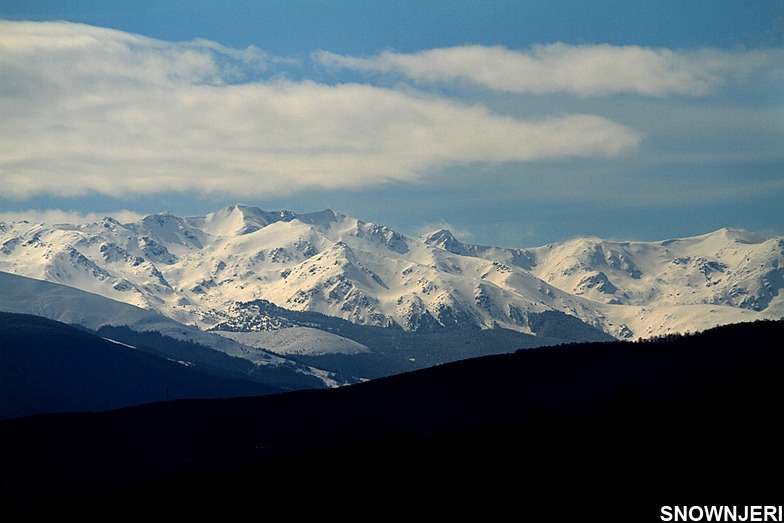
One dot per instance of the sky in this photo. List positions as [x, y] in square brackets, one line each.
[510, 123]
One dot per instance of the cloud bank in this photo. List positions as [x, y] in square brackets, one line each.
[92, 110]
[72, 217]
[580, 70]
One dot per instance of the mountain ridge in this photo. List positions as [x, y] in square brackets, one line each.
[194, 270]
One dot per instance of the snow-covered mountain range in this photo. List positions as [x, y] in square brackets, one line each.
[202, 271]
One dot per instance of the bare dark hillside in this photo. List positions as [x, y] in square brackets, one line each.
[621, 428]
[47, 366]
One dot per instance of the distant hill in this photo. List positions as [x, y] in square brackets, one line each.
[614, 430]
[148, 329]
[47, 366]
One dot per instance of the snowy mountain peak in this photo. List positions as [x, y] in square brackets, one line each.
[721, 237]
[109, 222]
[171, 229]
[323, 218]
[739, 235]
[444, 239]
[238, 220]
[383, 236]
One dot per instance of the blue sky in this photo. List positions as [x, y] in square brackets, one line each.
[511, 123]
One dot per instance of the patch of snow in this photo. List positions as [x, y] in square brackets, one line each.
[303, 341]
[119, 343]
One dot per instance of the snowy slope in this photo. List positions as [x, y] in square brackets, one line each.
[297, 341]
[653, 288]
[196, 270]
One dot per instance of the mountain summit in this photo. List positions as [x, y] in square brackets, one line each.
[197, 270]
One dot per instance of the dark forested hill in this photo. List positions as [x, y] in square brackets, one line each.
[584, 431]
[47, 366]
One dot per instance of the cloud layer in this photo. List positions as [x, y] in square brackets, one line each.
[582, 70]
[87, 109]
[61, 216]
[92, 110]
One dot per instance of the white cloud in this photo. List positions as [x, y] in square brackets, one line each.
[581, 70]
[64, 54]
[72, 217]
[88, 110]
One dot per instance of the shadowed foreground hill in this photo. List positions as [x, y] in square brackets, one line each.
[47, 366]
[606, 430]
